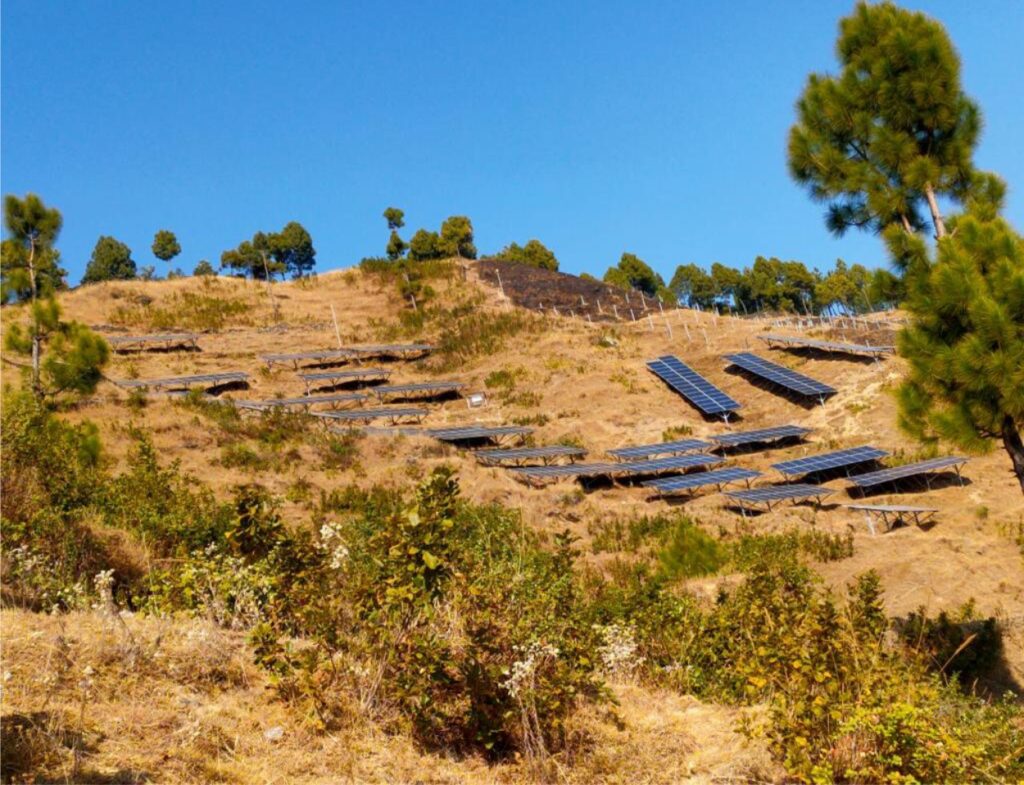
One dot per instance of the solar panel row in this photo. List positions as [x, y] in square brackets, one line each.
[209, 379]
[829, 460]
[719, 477]
[474, 432]
[774, 493]
[518, 455]
[780, 375]
[761, 435]
[907, 470]
[692, 386]
[420, 388]
[676, 463]
[662, 448]
[393, 413]
[826, 346]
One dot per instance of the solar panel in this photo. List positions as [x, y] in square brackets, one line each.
[307, 400]
[390, 349]
[692, 386]
[676, 463]
[471, 432]
[907, 470]
[209, 379]
[897, 508]
[780, 375]
[826, 346]
[518, 455]
[316, 354]
[366, 415]
[663, 448]
[774, 493]
[420, 388]
[700, 479]
[361, 373]
[892, 514]
[165, 338]
[830, 460]
[761, 435]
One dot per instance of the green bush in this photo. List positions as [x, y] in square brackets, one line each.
[690, 553]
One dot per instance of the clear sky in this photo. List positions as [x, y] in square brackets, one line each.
[596, 127]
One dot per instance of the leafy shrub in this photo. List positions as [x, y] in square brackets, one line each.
[186, 311]
[690, 553]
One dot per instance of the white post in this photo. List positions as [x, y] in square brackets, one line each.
[688, 339]
[668, 327]
[650, 319]
[706, 342]
[616, 311]
[337, 332]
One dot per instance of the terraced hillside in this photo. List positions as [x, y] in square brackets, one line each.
[573, 382]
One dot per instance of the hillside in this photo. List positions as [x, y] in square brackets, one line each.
[574, 381]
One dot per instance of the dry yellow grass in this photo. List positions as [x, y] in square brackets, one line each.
[194, 729]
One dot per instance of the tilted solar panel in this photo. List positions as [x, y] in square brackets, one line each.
[662, 448]
[907, 470]
[779, 493]
[529, 453]
[214, 379]
[778, 374]
[676, 463]
[761, 435]
[466, 433]
[830, 460]
[700, 479]
[897, 508]
[827, 346]
[310, 400]
[374, 414]
[361, 373]
[435, 388]
[692, 386]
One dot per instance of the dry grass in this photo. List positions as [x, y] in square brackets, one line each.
[175, 718]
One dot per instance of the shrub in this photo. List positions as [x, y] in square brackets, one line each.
[690, 553]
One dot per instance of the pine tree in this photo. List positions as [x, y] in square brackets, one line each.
[74, 355]
[165, 245]
[111, 261]
[965, 344]
[533, 254]
[892, 132]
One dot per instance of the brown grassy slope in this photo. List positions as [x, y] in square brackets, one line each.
[137, 699]
[602, 397]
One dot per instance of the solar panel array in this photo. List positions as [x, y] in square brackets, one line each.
[305, 400]
[773, 493]
[317, 354]
[419, 388]
[471, 432]
[518, 455]
[894, 508]
[209, 379]
[827, 346]
[663, 448]
[166, 338]
[830, 460]
[780, 375]
[907, 470]
[360, 373]
[390, 349]
[700, 479]
[692, 386]
[761, 435]
[676, 463]
[366, 415]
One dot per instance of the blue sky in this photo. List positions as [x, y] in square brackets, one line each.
[598, 128]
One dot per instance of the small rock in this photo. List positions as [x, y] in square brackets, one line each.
[274, 734]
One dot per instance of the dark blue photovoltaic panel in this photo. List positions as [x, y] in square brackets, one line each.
[214, 379]
[762, 435]
[692, 386]
[778, 493]
[830, 460]
[361, 373]
[907, 470]
[778, 374]
[662, 448]
[700, 479]
[360, 415]
[676, 463]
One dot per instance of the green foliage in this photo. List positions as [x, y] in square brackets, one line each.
[533, 254]
[780, 286]
[425, 245]
[288, 251]
[692, 286]
[886, 289]
[964, 645]
[395, 218]
[29, 264]
[396, 247]
[204, 268]
[467, 332]
[165, 245]
[70, 356]
[111, 260]
[892, 129]
[965, 343]
[456, 238]
[690, 553]
[844, 287]
[634, 273]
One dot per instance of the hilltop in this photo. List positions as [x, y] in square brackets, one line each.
[575, 381]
